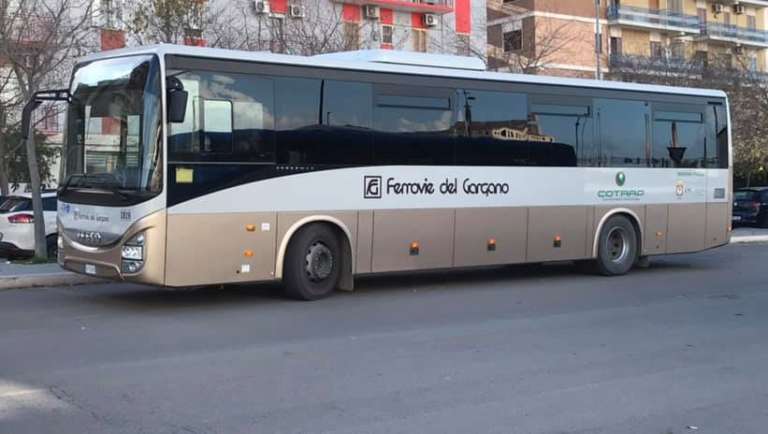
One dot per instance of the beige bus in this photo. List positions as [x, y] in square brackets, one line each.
[192, 166]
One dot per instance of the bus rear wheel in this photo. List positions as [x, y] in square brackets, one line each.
[617, 247]
[312, 263]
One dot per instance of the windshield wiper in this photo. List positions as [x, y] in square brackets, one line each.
[97, 184]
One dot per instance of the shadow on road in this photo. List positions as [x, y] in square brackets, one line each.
[135, 297]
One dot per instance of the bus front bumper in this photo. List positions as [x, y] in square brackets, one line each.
[108, 262]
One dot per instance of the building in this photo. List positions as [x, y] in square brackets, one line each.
[312, 26]
[649, 36]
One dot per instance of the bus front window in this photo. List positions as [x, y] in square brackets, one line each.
[113, 141]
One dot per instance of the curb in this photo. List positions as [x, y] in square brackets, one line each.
[743, 239]
[48, 279]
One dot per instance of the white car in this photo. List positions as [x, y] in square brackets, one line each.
[17, 229]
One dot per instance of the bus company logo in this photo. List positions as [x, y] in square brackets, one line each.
[621, 179]
[621, 194]
[372, 187]
[66, 208]
[90, 238]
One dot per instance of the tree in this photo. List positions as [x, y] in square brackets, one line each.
[167, 21]
[17, 167]
[38, 41]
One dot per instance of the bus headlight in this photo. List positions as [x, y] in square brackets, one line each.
[132, 254]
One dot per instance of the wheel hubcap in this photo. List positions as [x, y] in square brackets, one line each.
[617, 245]
[319, 262]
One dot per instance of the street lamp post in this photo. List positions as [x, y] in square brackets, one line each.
[598, 42]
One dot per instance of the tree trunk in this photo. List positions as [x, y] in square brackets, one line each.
[41, 247]
[4, 187]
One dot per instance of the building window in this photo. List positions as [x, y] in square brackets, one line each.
[616, 46]
[678, 50]
[702, 14]
[751, 22]
[513, 41]
[419, 40]
[351, 36]
[277, 41]
[386, 34]
[656, 50]
[110, 14]
[463, 45]
[676, 6]
[701, 58]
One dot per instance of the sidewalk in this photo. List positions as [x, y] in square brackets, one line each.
[27, 276]
[749, 235]
[32, 275]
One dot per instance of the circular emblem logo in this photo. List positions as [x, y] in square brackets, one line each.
[621, 178]
[680, 188]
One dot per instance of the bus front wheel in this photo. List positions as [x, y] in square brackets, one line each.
[312, 263]
[617, 247]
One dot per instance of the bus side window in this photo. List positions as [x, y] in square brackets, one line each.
[229, 119]
[569, 130]
[413, 125]
[217, 126]
[623, 132]
[297, 111]
[679, 137]
[323, 122]
[721, 136]
[494, 129]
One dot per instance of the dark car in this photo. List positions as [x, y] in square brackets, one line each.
[750, 206]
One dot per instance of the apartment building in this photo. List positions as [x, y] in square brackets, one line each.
[437, 26]
[650, 36]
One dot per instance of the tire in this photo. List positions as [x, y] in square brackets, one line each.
[312, 263]
[617, 247]
[52, 246]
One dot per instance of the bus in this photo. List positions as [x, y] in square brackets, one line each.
[188, 166]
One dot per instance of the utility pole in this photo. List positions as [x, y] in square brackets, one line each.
[598, 42]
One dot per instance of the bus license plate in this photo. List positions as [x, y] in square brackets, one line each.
[90, 269]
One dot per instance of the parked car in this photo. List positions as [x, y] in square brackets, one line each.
[17, 229]
[750, 206]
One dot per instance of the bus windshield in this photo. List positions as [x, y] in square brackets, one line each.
[113, 141]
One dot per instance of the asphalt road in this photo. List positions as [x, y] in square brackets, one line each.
[682, 345]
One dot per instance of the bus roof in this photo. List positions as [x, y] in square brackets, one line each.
[369, 61]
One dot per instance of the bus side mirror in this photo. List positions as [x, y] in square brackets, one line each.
[177, 106]
[177, 100]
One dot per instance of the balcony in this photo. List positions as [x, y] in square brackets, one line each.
[735, 34]
[658, 65]
[422, 6]
[656, 19]
[757, 3]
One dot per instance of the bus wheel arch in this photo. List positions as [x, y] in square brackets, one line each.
[631, 216]
[344, 235]
[618, 242]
